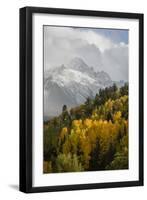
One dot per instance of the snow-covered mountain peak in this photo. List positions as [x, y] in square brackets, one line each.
[77, 61]
[78, 64]
[71, 84]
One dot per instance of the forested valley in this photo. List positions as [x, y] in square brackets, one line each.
[89, 137]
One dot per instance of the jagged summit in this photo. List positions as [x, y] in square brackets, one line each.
[79, 65]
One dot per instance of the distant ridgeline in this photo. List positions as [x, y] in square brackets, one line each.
[89, 137]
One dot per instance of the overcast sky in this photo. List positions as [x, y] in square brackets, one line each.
[103, 49]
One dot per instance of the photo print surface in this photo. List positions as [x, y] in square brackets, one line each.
[85, 96]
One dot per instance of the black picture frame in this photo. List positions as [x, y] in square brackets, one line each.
[26, 104]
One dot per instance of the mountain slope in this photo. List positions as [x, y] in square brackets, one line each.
[71, 85]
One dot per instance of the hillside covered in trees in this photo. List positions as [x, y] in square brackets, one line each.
[90, 137]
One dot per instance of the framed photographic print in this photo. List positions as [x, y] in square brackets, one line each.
[81, 99]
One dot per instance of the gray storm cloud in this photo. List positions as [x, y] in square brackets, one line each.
[61, 44]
